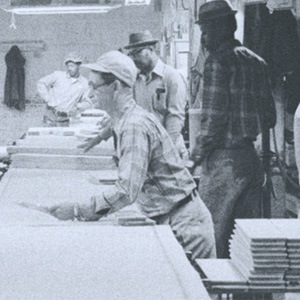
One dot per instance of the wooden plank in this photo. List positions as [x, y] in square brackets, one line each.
[259, 231]
[221, 271]
[94, 112]
[52, 187]
[55, 141]
[62, 162]
[63, 131]
[96, 151]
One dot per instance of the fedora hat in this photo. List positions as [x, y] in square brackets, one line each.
[140, 39]
[214, 9]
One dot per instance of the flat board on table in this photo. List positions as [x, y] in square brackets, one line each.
[95, 262]
[62, 162]
[260, 232]
[63, 131]
[290, 228]
[221, 271]
[51, 187]
[93, 112]
[59, 145]
[96, 151]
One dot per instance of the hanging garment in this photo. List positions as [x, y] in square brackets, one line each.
[14, 90]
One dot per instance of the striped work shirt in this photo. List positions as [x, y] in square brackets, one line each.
[149, 165]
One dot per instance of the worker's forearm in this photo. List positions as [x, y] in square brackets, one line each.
[105, 133]
[174, 126]
[85, 104]
[204, 146]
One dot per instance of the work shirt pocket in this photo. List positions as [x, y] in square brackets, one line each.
[159, 100]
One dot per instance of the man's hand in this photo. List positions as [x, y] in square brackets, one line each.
[74, 111]
[89, 145]
[63, 212]
[106, 121]
[180, 145]
[69, 211]
[190, 165]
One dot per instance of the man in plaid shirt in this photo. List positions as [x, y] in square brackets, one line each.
[150, 170]
[237, 106]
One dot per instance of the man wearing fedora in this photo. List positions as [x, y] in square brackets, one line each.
[159, 88]
[237, 106]
[150, 170]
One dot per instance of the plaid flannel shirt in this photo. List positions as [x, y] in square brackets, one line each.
[150, 169]
[237, 100]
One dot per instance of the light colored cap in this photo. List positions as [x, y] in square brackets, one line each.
[74, 57]
[116, 63]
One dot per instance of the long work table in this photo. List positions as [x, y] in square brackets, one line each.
[44, 258]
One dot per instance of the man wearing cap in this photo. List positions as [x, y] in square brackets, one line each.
[65, 93]
[159, 89]
[237, 106]
[150, 170]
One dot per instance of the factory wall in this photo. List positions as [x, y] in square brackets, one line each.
[44, 40]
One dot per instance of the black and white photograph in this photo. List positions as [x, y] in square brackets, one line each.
[150, 149]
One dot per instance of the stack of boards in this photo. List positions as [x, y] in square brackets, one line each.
[267, 252]
[58, 148]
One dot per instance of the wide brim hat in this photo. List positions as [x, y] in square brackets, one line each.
[141, 39]
[213, 10]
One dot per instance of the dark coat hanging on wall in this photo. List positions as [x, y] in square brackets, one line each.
[14, 90]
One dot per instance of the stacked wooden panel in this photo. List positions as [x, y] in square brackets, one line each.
[291, 230]
[267, 252]
[58, 148]
[258, 250]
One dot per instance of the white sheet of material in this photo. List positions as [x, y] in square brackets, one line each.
[95, 262]
[52, 186]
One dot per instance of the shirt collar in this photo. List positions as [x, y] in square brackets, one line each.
[158, 70]
[72, 78]
[120, 119]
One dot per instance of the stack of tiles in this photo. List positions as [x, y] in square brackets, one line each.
[267, 252]
[290, 228]
[258, 250]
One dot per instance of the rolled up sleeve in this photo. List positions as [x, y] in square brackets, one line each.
[44, 84]
[176, 105]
